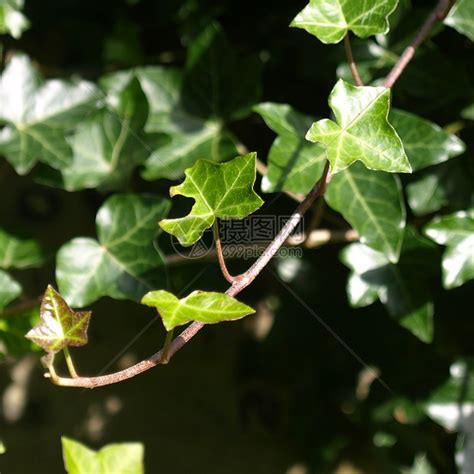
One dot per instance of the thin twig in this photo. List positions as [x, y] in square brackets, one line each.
[220, 255]
[241, 282]
[350, 60]
[438, 14]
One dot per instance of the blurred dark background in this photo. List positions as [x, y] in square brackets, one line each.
[277, 392]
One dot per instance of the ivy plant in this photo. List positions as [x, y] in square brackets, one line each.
[372, 160]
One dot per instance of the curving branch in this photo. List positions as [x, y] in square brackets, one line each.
[240, 282]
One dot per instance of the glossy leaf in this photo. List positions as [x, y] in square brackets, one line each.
[372, 202]
[461, 18]
[193, 106]
[401, 288]
[123, 263]
[38, 115]
[19, 252]
[12, 19]
[330, 20]
[449, 404]
[203, 306]
[9, 289]
[117, 458]
[294, 164]
[109, 145]
[425, 143]
[223, 191]
[456, 232]
[361, 131]
[60, 326]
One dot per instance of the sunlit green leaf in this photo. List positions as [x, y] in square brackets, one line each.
[294, 164]
[38, 115]
[456, 232]
[361, 131]
[425, 143]
[118, 458]
[9, 289]
[193, 107]
[421, 465]
[123, 263]
[461, 18]
[19, 252]
[109, 145]
[223, 191]
[330, 20]
[401, 288]
[12, 19]
[372, 202]
[60, 326]
[453, 400]
[203, 306]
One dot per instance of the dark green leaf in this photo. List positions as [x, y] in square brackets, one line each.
[223, 191]
[461, 18]
[203, 306]
[19, 252]
[401, 288]
[60, 326]
[330, 20]
[425, 143]
[456, 231]
[361, 131]
[294, 165]
[123, 263]
[119, 458]
[38, 114]
[372, 202]
[109, 145]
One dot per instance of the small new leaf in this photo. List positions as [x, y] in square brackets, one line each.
[330, 20]
[223, 191]
[60, 326]
[361, 131]
[203, 306]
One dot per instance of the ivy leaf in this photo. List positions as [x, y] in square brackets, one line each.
[294, 165]
[223, 191]
[425, 143]
[60, 326]
[449, 403]
[372, 202]
[38, 114]
[109, 145]
[203, 306]
[193, 106]
[19, 252]
[456, 232]
[361, 131]
[446, 185]
[330, 20]
[9, 289]
[117, 458]
[123, 262]
[461, 18]
[401, 288]
[12, 19]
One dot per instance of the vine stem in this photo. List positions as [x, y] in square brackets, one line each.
[241, 282]
[220, 255]
[70, 363]
[438, 14]
[350, 60]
